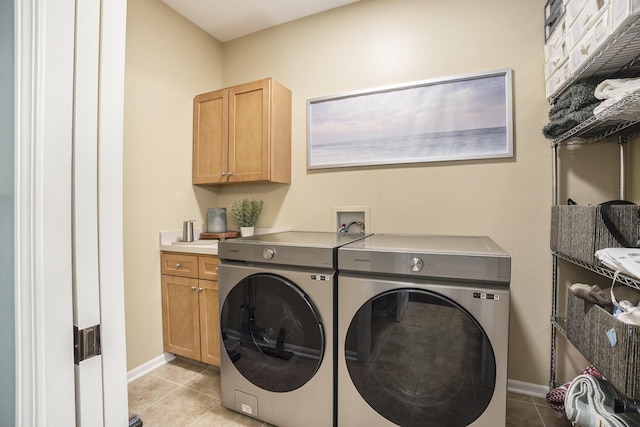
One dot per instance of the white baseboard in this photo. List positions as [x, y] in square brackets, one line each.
[514, 386]
[528, 389]
[149, 366]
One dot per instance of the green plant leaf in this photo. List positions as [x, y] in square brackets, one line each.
[246, 212]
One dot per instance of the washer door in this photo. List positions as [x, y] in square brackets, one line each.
[272, 332]
[418, 358]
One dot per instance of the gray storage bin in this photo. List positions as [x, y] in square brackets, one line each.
[578, 231]
[587, 326]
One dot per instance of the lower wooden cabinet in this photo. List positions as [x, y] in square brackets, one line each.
[209, 322]
[190, 313]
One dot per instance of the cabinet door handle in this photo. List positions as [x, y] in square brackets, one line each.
[223, 173]
[178, 265]
[200, 289]
[193, 288]
[229, 173]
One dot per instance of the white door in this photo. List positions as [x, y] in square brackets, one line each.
[69, 112]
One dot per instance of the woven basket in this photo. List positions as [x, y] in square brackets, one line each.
[578, 231]
[587, 326]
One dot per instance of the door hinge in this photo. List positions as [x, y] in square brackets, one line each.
[86, 343]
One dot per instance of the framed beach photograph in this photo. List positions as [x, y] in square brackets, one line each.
[456, 118]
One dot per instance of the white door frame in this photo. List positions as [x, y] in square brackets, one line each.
[43, 245]
[110, 210]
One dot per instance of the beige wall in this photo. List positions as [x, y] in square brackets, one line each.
[368, 44]
[168, 62]
[379, 42]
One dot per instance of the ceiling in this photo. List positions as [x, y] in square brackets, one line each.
[229, 19]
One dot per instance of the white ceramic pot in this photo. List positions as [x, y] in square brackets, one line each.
[247, 231]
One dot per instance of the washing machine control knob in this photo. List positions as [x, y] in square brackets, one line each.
[416, 264]
[268, 253]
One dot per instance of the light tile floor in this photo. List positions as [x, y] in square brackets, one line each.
[185, 394]
[526, 411]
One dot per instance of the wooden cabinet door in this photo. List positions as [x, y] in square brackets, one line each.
[210, 137]
[249, 131]
[209, 321]
[180, 316]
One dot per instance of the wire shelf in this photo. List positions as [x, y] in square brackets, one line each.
[613, 120]
[603, 271]
[560, 324]
[618, 57]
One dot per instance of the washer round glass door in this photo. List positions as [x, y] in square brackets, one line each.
[272, 332]
[418, 358]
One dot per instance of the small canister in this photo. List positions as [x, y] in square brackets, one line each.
[187, 231]
[217, 220]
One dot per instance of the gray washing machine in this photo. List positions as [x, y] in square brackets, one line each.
[423, 328]
[277, 298]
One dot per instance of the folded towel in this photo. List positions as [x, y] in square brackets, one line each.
[573, 106]
[611, 111]
[559, 115]
[577, 96]
[567, 121]
[613, 90]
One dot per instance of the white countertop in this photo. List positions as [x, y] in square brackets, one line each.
[171, 241]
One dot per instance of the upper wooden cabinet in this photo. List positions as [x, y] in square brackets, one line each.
[243, 134]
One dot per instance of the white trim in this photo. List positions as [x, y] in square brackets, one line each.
[26, 399]
[513, 386]
[43, 92]
[528, 389]
[149, 366]
[113, 23]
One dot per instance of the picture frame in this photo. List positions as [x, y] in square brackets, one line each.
[467, 117]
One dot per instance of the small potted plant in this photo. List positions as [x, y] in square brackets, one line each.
[246, 213]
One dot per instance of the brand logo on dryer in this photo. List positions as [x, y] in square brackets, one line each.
[362, 260]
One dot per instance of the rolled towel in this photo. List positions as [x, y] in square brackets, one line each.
[591, 402]
[592, 293]
[555, 398]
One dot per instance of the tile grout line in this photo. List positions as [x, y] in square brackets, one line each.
[202, 393]
[158, 400]
[201, 417]
[178, 386]
[539, 415]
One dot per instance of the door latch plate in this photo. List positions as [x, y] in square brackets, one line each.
[86, 343]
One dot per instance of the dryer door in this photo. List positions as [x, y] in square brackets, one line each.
[418, 358]
[272, 332]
